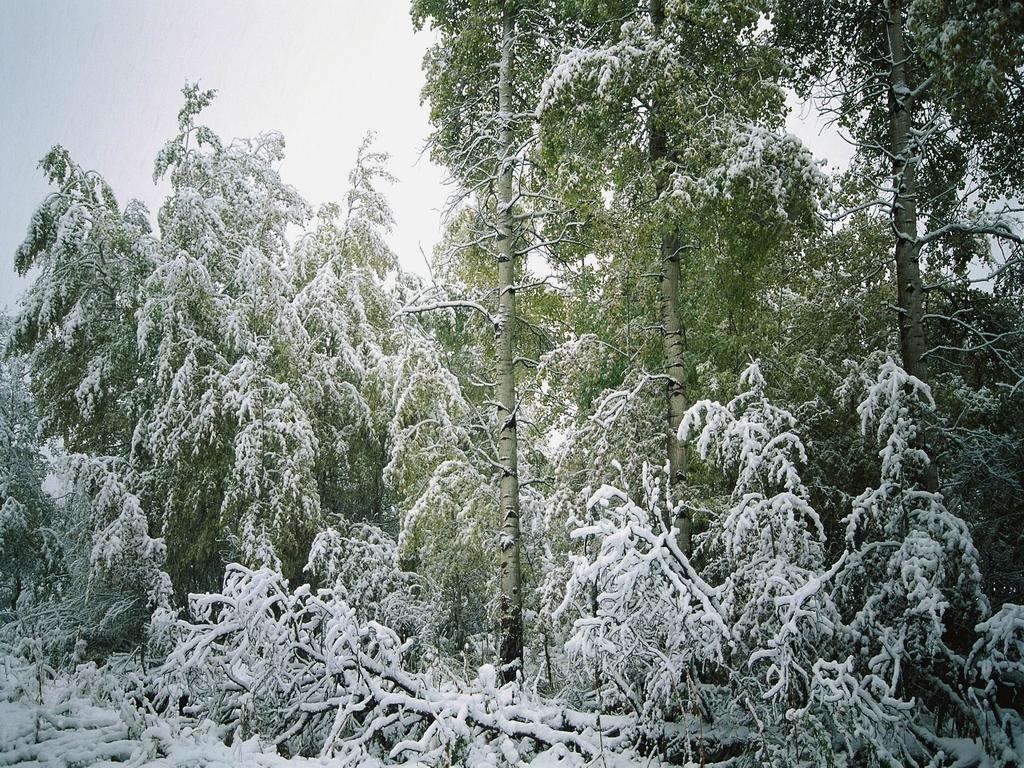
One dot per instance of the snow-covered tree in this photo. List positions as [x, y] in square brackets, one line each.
[76, 329]
[926, 89]
[481, 80]
[233, 368]
[442, 480]
[806, 656]
[25, 509]
[682, 132]
[338, 271]
[74, 324]
[263, 348]
[232, 442]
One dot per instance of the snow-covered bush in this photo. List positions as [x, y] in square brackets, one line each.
[267, 660]
[104, 572]
[719, 648]
[306, 671]
[642, 617]
[359, 564]
[775, 653]
[597, 437]
[25, 510]
[909, 589]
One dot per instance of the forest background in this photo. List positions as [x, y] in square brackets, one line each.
[683, 446]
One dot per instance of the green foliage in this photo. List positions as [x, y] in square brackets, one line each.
[251, 379]
[76, 322]
[25, 510]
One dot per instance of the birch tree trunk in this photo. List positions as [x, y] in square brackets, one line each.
[672, 343]
[511, 599]
[909, 289]
[671, 324]
[904, 210]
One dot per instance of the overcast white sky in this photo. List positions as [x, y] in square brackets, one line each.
[103, 78]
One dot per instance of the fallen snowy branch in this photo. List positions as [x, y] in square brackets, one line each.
[299, 669]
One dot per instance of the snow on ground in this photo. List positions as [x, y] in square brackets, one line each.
[64, 729]
[59, 725]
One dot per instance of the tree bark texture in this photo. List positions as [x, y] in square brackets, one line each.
[671, 323]
[511, 599]
[909, 288]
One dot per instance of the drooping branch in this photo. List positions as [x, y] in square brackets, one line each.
[453, 304]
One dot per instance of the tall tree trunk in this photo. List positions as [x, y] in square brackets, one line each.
[904, 209]
[909, 289]
[511, 601]
[671, 323]
[672, 343]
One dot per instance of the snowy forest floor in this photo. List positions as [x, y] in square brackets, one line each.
[58, 723]
[62, 727]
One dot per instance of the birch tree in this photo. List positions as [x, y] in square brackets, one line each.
[683, 112]
[926, 89]
[481, 77]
